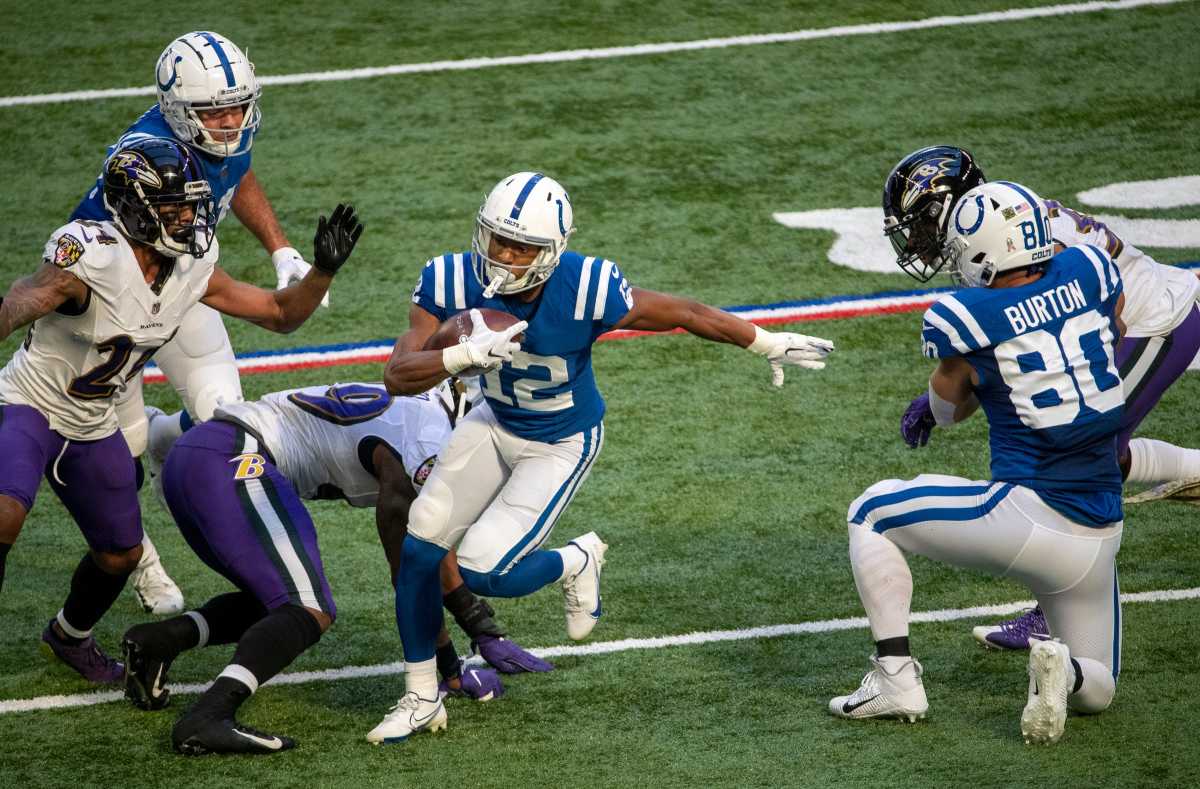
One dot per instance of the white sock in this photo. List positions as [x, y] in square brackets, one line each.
[241, 674]
[164, 432]
[73, 632]
[1097, 690]
[149, 553]
[573, 559]
[884, 582]
[1156, 461]
[421, 677]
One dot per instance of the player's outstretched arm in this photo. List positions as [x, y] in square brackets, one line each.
[252, 208]
[39, 294]
[285, 310]
[663, 312]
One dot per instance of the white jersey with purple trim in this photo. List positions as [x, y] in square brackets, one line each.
[76, 360]
[1157, 297]
[322, 437]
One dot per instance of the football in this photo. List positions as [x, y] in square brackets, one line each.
[457, 328]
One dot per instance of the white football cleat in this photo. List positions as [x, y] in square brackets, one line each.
[898, 694]
[581, 592]
[155, 590]
[410, 715]
[1051, 678]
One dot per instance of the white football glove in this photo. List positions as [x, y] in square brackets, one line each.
[290, 267]
[785, 347]
[484, 350]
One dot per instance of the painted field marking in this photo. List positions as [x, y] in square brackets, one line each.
[604, 53]
[599, 648]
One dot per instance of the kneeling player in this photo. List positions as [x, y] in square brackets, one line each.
[234, 486]
[1031, 339]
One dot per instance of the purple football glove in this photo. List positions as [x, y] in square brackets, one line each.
[481, 684]
[506, 657]
[917, 422]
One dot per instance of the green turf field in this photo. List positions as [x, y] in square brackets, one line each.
[723, 500]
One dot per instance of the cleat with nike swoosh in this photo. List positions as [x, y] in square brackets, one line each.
[411, 714]
[884, 693]
[199, 734]
[581, 592]
[146, 665]
[1051, 677]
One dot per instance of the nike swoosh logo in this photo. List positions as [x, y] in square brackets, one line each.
[83, 232]
[274, 743]
[849, 708]
[420, 721]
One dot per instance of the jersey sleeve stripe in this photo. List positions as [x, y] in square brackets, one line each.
[968, 320]
[943, 324]
[602, 290]
[585, 274]
[460, 284]
[1098, 265]
[439, 281]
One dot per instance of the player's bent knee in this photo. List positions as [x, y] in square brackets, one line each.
[324, 619]
[1097, 692]
[118, 562]
[429, 515]
[12, 518]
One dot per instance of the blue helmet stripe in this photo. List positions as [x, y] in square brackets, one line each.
[521, 198]
[1037, 209]
[221, 56]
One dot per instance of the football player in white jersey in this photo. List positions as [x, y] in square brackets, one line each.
[515, 461]
[1161, 315]
[1031, 339]
[208, 99]
[107, 296]
[234, 486]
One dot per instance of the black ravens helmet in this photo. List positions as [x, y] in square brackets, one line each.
[917, 198]
[146, 175]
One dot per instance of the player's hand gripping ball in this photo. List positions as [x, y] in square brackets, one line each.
[476, 341]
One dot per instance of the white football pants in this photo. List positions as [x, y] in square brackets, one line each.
[495, 495]
[199, 363]
[1000, 529]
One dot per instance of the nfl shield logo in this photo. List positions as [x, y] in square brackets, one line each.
[154, 309]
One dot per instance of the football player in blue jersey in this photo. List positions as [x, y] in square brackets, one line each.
[1161, 315]
[516, 461]
[1032, 339]
[207, 98]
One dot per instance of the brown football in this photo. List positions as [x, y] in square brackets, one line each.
[457, 328]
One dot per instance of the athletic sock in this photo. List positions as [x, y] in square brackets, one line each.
[272, 643]
[893, 647]
[227, 617]
[1153, 461]
[473, 614]
[421, 677]
[93, 592]
[884, 582]
[4, 549]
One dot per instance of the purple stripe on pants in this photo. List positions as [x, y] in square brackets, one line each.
[244, 519]
[1157, 362]
[95, 480]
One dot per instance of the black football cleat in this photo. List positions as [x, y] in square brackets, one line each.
[198, 734]
[145, 669]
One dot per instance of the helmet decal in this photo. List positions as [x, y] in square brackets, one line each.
[924, 180]
[135, 167]
[966, 231]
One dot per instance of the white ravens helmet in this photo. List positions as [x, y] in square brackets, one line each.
[205, 71]
[997, 226]
[531, 208]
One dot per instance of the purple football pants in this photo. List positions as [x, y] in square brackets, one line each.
[95, 480]
[243, 518]
[1149, 365]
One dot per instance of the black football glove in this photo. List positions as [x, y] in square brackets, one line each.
[335, 239]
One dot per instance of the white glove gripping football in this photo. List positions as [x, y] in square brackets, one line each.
[290, 267]
[785, 347]
[484, 350]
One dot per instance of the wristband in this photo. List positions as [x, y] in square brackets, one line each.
[279, 256]
[764, 342]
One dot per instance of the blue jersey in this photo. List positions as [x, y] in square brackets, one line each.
[1048, 382]
[548, 391]
[223, 175]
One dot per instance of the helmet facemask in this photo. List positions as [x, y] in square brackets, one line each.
[916, 238]
[138, 217]
[497, 275]
[224, 142]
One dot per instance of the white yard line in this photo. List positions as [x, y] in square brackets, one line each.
[982, 612]
[842, 31]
